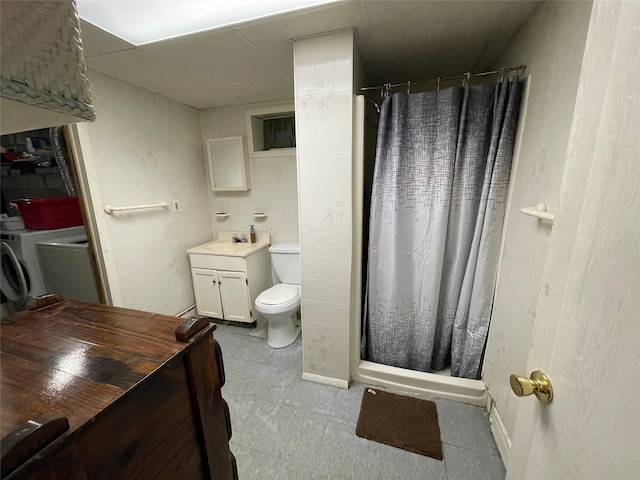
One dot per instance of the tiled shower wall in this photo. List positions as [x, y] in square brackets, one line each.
[323, 101]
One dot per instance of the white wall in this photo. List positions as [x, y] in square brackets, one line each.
[274, 187]
[551, 44]
[144, 148]
[324, 99]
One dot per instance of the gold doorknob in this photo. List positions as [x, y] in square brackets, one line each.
[538, 383]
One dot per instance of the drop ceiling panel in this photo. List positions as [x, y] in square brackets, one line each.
[398, 41]
[218, 57]
[204, 97]
[265, 89]
[96, 41]
[430, 25]
[424, 66]
[273, 36]
[511, 20]
[144, 71]
[487, 59]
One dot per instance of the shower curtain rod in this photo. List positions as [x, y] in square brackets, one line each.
[466, 76]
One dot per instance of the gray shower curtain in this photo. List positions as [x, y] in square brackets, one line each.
[441, 177]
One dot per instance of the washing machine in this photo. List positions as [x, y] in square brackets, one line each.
[22, 276]
[14, 282]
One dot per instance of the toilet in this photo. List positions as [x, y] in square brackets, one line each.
[280, 304]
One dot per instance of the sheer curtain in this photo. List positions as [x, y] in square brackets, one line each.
[440, 183]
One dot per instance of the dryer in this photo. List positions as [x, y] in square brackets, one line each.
[22, 244]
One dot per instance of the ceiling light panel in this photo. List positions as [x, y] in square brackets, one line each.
[146, 21]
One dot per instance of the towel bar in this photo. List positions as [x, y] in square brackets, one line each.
[110, 209]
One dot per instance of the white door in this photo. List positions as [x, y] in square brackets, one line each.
[235, 296]
[205, 285]
[587, 336]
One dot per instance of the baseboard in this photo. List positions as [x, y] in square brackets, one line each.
[187, 312]
[333, 382]
[500, 435]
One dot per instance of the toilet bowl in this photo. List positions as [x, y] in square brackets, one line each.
[280, 304]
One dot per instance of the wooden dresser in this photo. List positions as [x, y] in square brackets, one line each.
[97, 392]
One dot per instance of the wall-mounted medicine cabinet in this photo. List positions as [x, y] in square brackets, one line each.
[271, 131]
[228, 164]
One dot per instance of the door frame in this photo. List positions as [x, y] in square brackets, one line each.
[86, 185]
[81, 194]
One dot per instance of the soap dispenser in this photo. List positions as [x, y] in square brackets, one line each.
[252, 233]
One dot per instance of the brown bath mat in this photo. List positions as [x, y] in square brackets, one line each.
[402, 422]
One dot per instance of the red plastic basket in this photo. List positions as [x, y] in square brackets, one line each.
[50, 213]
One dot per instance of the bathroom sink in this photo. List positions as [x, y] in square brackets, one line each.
[225, 246]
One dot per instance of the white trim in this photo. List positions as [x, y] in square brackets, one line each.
[332, 382]
[357, 176]
[97, 221]
[262, 113]
[187, 312]
[500, 435]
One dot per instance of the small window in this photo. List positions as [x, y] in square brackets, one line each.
[271, 131]
[279, 132]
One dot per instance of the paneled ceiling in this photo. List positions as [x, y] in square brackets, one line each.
[253, 62]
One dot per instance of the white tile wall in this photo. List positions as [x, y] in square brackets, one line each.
[325, 313]
[324, 49]
[324, 96]
[327, 334]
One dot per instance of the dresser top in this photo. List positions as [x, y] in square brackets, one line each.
[76, 359]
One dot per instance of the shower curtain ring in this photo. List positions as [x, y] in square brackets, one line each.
[502, 74]
[408, 87]
[467, 76]
[387, 88]
[438, 86]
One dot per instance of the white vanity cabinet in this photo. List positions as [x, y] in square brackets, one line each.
[228, 277]
[207, 291]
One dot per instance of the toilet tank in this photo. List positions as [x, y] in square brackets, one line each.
[285, 258]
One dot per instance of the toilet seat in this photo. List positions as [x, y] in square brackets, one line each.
[279, 298]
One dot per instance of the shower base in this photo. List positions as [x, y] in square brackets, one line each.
[473, 392]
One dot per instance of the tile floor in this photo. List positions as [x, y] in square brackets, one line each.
[287, 428]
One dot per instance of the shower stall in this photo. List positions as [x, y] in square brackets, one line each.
[439, 384]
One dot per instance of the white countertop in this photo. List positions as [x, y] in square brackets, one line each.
[225, 246]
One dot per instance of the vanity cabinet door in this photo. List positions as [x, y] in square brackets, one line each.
[205, 285]
[234, 291]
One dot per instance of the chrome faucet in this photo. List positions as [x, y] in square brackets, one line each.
[237, 239]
